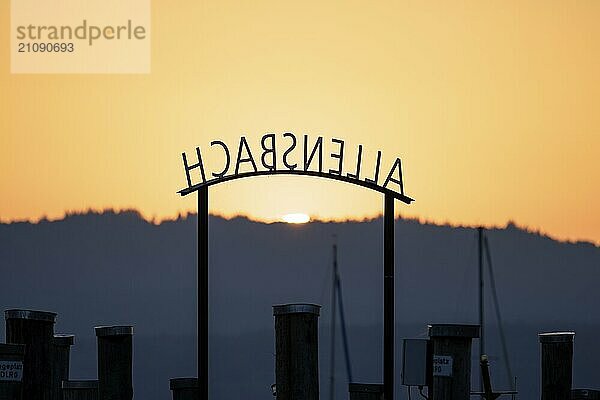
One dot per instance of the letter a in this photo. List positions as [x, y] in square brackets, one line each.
[250, 159]
[390, 177]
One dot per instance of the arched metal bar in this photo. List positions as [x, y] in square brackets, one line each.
[369, 185]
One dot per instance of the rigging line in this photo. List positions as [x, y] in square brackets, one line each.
[343, 323]
[498, 314]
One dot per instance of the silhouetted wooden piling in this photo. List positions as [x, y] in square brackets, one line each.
[80, 390]
[34, 329]
[365, 391]
[185, 388]
[585, 394]
[452, 361]
[11, 371]
[60, 363]
[557, 365]
[297, 351]
[115, 354]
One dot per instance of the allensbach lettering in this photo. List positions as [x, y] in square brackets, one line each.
[85, 31]
[265, 158]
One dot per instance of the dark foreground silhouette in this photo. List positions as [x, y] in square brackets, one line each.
[106, 269]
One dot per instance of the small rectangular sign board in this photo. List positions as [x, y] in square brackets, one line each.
[11, 371]
[442, 365]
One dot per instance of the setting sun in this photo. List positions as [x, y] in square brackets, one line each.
[298, 218]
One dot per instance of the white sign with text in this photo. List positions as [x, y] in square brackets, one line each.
[11, 371]
[442, 365]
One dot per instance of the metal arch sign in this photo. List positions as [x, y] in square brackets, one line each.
[269, 163]
[392, 187]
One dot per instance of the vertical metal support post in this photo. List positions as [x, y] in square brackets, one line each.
[203, 292]
[388, 298]
[481, 308]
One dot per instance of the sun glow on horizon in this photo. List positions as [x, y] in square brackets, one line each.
[296, 218]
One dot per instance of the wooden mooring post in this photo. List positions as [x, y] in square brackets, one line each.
[185, 388]
[585, 394]
[60, 363]
[80, 390]
[115, 353]
[557, 364]
[11, 371]
[296, 351]
[365, 391]
[452, 361]
[34, 329]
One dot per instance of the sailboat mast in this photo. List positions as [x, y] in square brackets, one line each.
[334, 277]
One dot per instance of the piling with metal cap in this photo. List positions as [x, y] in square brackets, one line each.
[365, 391]
[297, 351]
[557, 364]
[34, 329]
[115, 354]
[452, 360]
[185, 388]
[585, 394]
[60, 363]
[11, 371]
[80, 390]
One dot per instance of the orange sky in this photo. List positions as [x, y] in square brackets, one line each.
[493, 107]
